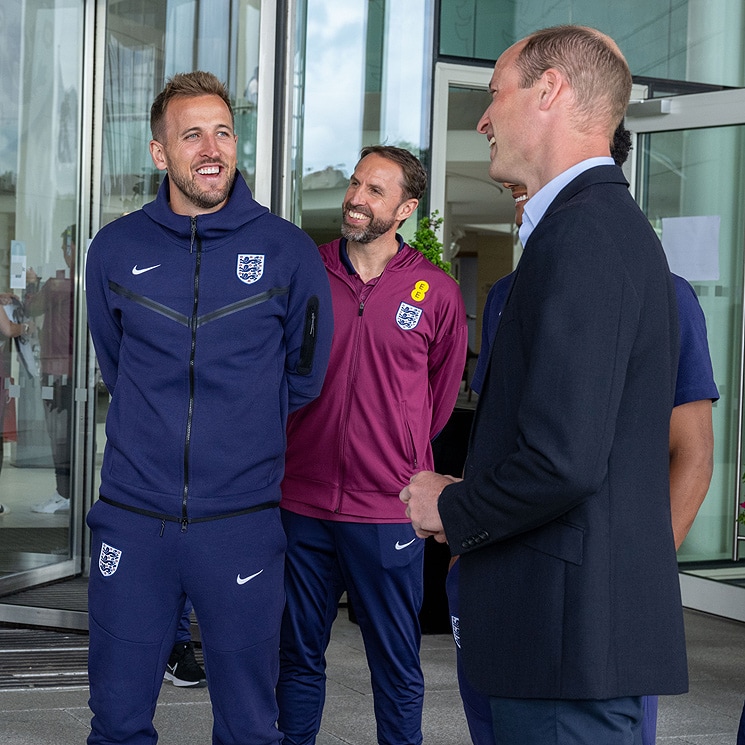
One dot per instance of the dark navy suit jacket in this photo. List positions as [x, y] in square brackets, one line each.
[569, 585]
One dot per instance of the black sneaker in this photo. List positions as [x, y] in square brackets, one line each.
[182, 669]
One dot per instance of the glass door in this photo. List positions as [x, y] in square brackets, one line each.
[690, 165]
[41, 77]
[478, 230]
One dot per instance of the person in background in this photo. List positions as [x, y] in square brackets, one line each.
[53, 299]
[9, 330]
[397, 360]
[182, 668]
[562, 518]
[691, 442]
[211, 319]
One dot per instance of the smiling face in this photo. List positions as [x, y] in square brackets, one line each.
[520, 195]
[374, 204]
[199, 153]
[506, 120]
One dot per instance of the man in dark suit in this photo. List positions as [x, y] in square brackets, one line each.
[570, 607]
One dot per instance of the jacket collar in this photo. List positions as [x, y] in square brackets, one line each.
[241, 208]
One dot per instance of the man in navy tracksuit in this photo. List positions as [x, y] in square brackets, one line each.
[211, 319]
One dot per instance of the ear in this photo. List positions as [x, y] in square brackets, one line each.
[157, 153]
[551, 84]
[407, 208]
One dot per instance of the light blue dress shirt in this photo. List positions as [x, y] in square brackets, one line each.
[536, 206]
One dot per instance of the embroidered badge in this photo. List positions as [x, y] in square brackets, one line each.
[408, 316]
[419, 291]
[108, 561]
[250, 267]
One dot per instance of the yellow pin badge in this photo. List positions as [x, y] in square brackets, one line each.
[420, 290]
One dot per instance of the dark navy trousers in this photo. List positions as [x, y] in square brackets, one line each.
[478, 707]
[142, 570]
[381, 568]
[613, 721]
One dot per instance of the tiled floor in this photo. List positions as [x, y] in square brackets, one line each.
[708, 715]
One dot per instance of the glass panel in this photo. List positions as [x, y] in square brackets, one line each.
[685, 175]
[145, 44]
[352, 93]
[689, 40]
[41, 59]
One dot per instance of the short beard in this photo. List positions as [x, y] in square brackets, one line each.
[374, 229]
[205, 200]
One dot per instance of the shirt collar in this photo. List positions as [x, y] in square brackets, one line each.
[344, 256]
[536, 206]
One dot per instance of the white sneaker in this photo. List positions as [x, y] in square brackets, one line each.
[56, 504]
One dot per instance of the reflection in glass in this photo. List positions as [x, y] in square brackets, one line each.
[688, 40]
[363, 80]
[146, 43]
[40, 73]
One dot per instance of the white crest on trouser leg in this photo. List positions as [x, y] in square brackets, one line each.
[108, 561]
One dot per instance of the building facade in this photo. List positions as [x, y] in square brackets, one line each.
[312, 82]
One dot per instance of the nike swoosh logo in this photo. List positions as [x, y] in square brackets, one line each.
[137, 271]
[399, 546]
[242, 580]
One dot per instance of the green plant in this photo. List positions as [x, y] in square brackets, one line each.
[426, 240]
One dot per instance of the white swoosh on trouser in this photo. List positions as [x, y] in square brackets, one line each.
[399, 546]
[242, 580]
[137, 271]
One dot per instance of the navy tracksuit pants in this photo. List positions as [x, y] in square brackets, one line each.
[381, 568]
[142, 570]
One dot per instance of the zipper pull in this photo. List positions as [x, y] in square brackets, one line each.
[184, 524]
[162, 527]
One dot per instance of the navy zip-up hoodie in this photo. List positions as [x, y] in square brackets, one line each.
[208, 331]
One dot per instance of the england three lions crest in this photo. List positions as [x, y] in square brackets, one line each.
[108, 560]
[408, 316]
[250, 267]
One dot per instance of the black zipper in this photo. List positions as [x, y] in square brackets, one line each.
[193, 322]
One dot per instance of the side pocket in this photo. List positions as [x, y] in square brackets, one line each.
[559, 539]
[409, 437]
[308, 347]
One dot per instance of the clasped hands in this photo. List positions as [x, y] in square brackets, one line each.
[420, 498]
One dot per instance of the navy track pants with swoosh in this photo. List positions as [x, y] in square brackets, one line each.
[385, 586]
[134, 612]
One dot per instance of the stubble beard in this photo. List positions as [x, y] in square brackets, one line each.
[205, 199]
[366, 234]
